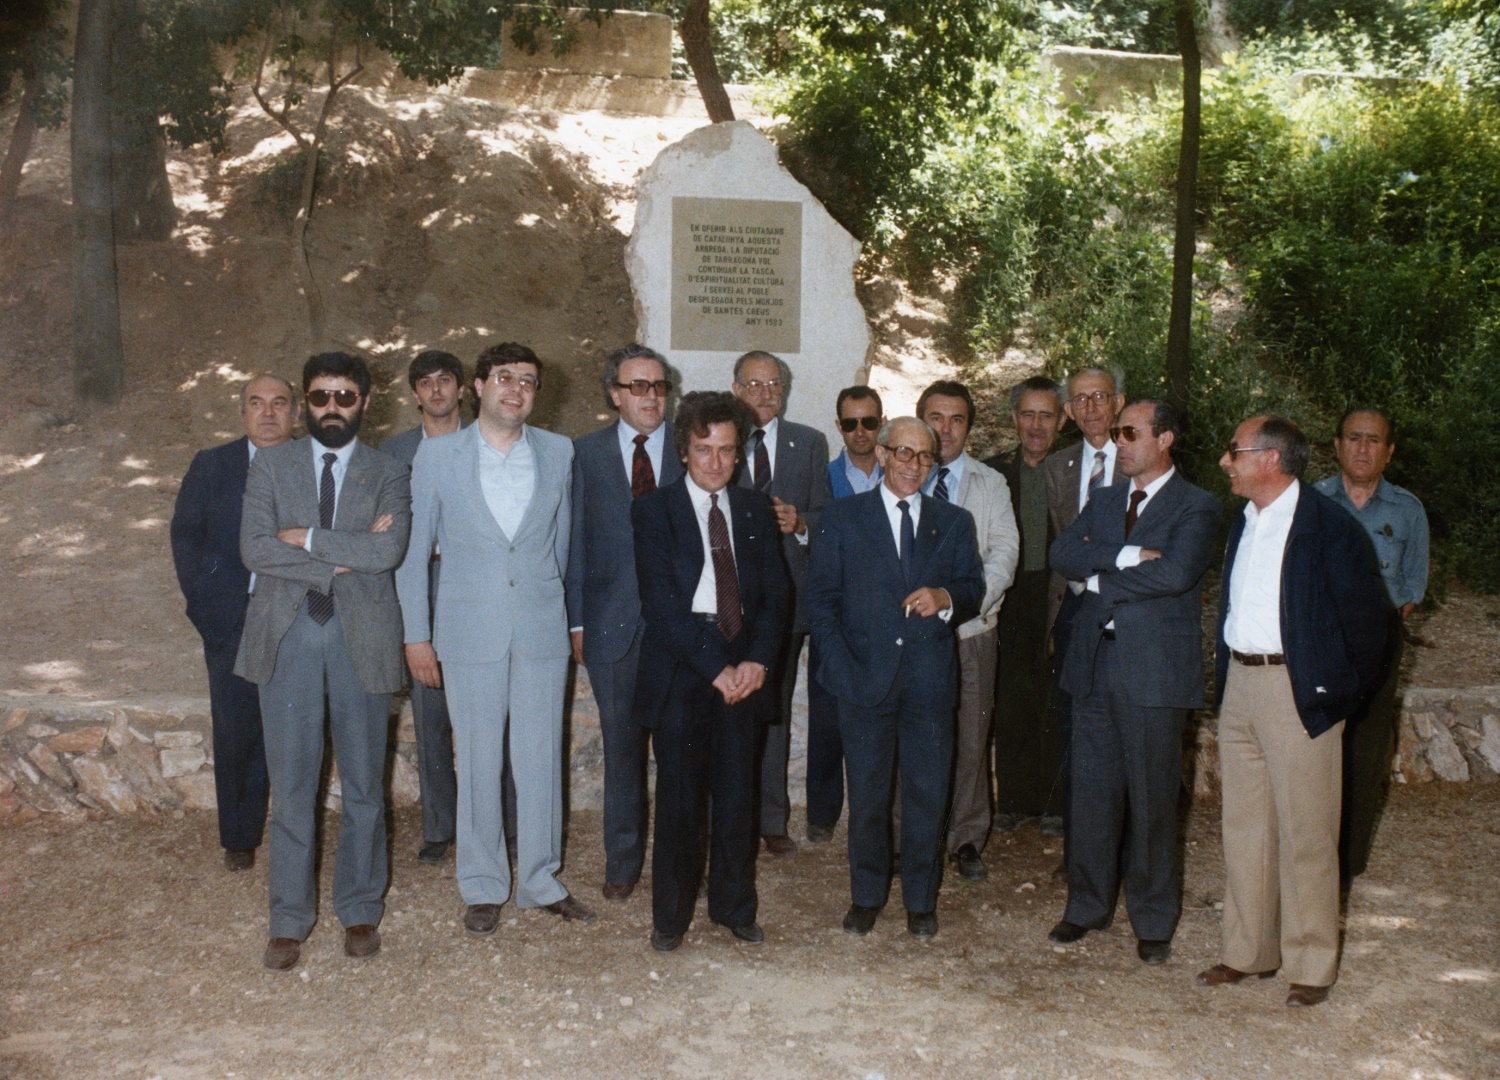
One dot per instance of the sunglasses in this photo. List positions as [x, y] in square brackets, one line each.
[849, 423]
[642, 387]
[1127, 433]
[344, 399]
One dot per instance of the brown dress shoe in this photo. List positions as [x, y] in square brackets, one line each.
[1224, 975]
[618, 893]
[281, 953]
[781, 845]
[1302, 996]
[571, 910]
[481, 919]
[235, 861]
[361, 941]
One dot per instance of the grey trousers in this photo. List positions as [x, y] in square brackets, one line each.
[313, 668]
[775, 803]
[434, 732]
[969, 818]
[515, 702]
[624, 766]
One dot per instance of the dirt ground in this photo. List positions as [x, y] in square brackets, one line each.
[128, 951]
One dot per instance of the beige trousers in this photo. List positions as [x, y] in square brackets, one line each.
[1282, 793]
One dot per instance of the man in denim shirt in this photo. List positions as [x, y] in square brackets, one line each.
[1397, 525]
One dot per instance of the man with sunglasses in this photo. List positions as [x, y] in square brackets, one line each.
[497, 499]
[860, 416]
[1134, 670]
[892, 574]
[612, 468]
[789, 463]
[325, 523]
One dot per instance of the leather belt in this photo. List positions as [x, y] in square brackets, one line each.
[1274, 659]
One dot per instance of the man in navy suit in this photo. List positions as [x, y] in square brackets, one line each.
[216, 585]
[612, 467]
[1134, 670]
[715, 599]
[892, 574]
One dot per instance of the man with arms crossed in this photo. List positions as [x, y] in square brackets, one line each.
[496, 499]
[324, 524]
[216, 585]
[1301, 640]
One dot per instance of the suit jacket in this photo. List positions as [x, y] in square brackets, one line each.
[1061, 471]
[281, 492]
[404, 447]
[1334, 612]
[497, 594]
[855, 588]
[1156, 606]
[985, 494]
[801, 479]
[601, 584]
[669, 562]
[206, 541]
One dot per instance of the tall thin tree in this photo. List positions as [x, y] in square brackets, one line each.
[697, 42]
[1180, 320]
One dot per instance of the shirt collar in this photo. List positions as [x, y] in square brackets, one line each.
[955, 477]
[700, 498]
[627, 437]
[344, 452]
[1155, 485]
[1284, 506]
[891, 499]
[770, 430]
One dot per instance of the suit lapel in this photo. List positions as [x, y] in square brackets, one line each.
[671, 468]
[878, 525]
[1157, 510]
[929, 536]
[690, 539]
[544, 465]
[473, 498]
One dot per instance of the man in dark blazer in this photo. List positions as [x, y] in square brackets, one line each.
[325, 524]
[436, 379]
[892, 575]
[714, 596]
[788, 462]
[216, 585]
[1134, 670]
[1302, 626]
[612, 467]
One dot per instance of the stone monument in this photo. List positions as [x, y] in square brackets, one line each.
[730, 253]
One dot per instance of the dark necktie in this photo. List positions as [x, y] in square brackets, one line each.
[319, 604]
[642, 475]
[762, 475]
[1136, 498]
[1096, 477]
[941, 490]
[908, 539]
[726, 580]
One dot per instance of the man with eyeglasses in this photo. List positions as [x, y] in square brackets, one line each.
[948, 409]
[325, 523]
[1302, 624]
[789, 463]
[1134, 669]
[496, 499]
[612, 467]
[893, 573]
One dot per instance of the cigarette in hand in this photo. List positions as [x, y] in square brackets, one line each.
[908, 611]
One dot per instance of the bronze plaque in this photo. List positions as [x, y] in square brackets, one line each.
[736, 275]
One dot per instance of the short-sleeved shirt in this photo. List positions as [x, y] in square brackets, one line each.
[1397, 526]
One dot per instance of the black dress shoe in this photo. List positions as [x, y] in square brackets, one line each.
[432, 851]
[571, 910]
[1303, 996]
[281, 953]
[361, 941]
[921, 924]
[780, 845]
[819, 834]
[1065, 933]
[482, 919]
[860, 920]
[749, 932]
[235, 861]
[619, 893]
[664, 942]
[969, 865]
[1153, 952]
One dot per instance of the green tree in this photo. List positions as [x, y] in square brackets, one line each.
[32, 57]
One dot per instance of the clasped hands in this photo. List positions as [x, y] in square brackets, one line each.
[739, 682]
[298, 538]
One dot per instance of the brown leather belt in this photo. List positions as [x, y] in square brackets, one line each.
[1274, 659]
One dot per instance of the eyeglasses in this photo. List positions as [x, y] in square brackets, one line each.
[903, 454]
[849, 423]
[773, 385]
[1236, 451]
[1128, 433]
[529, 383]
[344, 399]
[1098, 397]
[642, 387]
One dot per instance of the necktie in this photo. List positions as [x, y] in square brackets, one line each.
[762, 475]
[726, 579]
[1131, 515]
[908, 539]
[941, 490]
[642, 475]
[1096, 477]
[319, 604]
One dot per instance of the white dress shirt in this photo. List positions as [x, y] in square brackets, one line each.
[507, 480]
[706, 596]
[1086, 466]
[893, 514]
[654, 444]
[1130, 554]
[1253, 624]
[340, 467]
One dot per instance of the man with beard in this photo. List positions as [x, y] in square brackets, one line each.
[325, 523]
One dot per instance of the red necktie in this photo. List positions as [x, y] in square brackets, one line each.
[642, 475]
[726, 579]
[1136, 498]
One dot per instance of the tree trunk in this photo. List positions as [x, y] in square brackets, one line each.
[98, 352]
[317, 317]
[1180, 322]
[21, 137]
[697, 42]
[143, 205]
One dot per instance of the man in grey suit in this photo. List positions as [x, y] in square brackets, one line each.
[496, 499]
[1134, 669]
[611, 468]
[325, 522]
[437, 381]
[788, 462]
